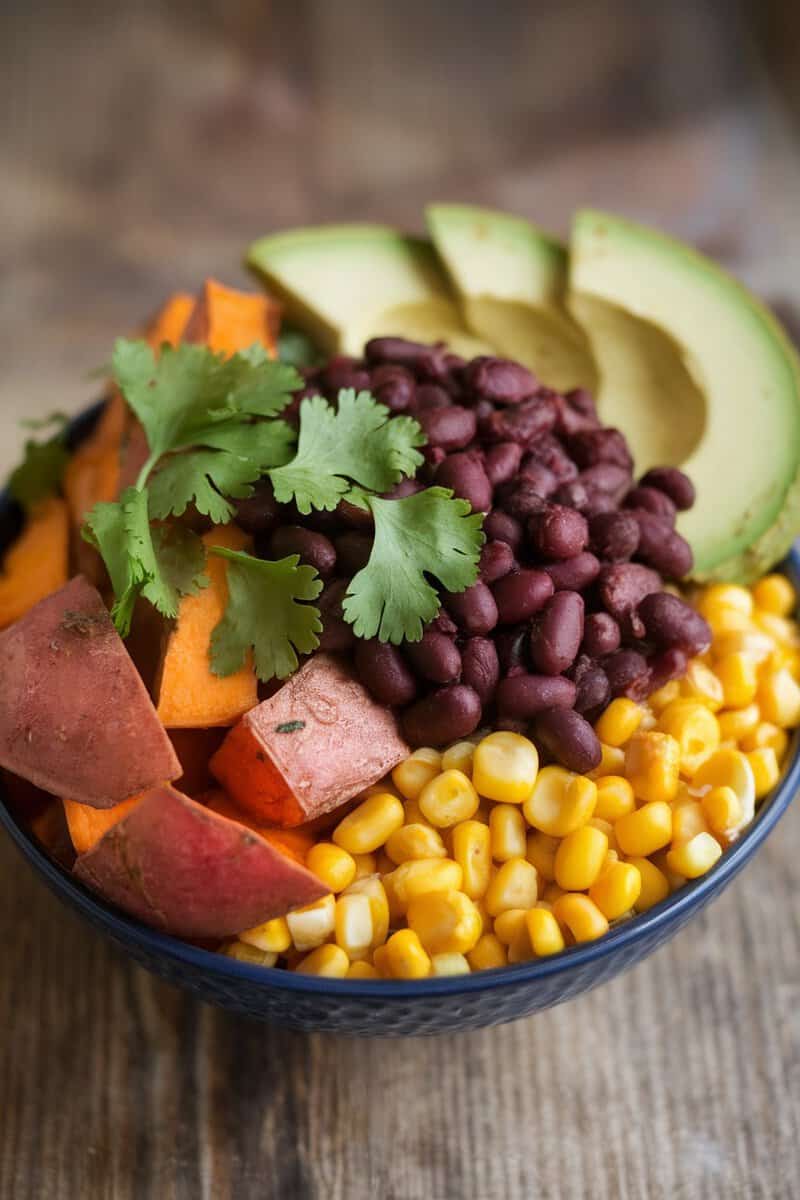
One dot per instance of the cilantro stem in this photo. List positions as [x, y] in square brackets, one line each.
[143, 475]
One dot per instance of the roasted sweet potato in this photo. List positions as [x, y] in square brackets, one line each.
[190, 696]
[87, 825]
[36, 564]
[75, 718]
[188, 871]
[194, 748]
[320, 739]
[294, 842]
[228, 320]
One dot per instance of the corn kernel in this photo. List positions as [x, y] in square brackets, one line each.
[607, 829]
[362, 970]
[504, 767]
[380, 961]
[514, 886]
[767, 734]
[520, 949]
[652, 765]
[779, 698]
[472, 852]
[540, 851]
[458, 757]
[612, 761]
[411, 775]
[766, 771]
[329, 961]
[449, 964]
[695, 729]
[738, 675]
[619, 721]
[244, 952]
[369, 825]
[617, 889]
[667, 693]
[486, 920]
[614, 798]
[272, 937]
[722, 809]
[508, 924]
[415, 841]
[421, 876]
[775, 594]
[738, 722]
[786, 633]
[366, 864]
[729, 768]
[581, 916]
[700, 684]
[648, 829]
[487, 952]
[753, 642]
[552, 892]
[405, 958]
[376, 893]
[674, 879]
[579, 858]
[561, 802]
[353, 925]
[693, 858]
[448, 799]
[544, 932]
[654, 884]
[313, 924]
[445, 922]
[687, 821]
[725, 595]
[412, 813]
[332, 865]
[508, 832]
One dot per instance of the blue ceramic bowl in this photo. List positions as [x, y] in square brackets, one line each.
[375, 1007]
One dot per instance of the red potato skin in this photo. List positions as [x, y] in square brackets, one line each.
[75, 717]
[287, 776]
[190, 872]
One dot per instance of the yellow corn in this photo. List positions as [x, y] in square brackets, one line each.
[700, 684]
[369, 825]
[753, 642]
[449, 964]
[738, 722]
[448, 799]
[244, 952]
[725, 595]
[775, 594]
[786, 633]
[767, 734]
[487, 952]
[606, 828]
[411, 775]
[722, 809]
[617, 889]
[779, 698]
[652, 765]
[643, 832]
[654, 884]
[472, 852]
[695, 729]
[508, 832]
[579, 858]
[458, 757]
[420, 876]
[612, 761]
[581, 916]
[313, 924]
[687, 821]
[445, 922]
[272, 937]
[330, 961]
[380, 960]
[362, 970]
[674, 879]
[552, 892]
[405, 957]
[619, 721]
[738, 675]
[415, 841]
[729, 768]
[353, 924]
[765, 768]
[614, 798]
[666, 694]
[514, 886]
[412, 813]
[560, 802]
[540, 851]
[373, 888]
[508, 924]
[544, 932]
[520, 950]
[693, 858]
[366, 864]
[504, 767]
[332, 865]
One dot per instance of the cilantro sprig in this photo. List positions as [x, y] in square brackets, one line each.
[43, 464]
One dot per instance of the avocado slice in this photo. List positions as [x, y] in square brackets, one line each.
[511, 278]
[344, 284]
[698, 374]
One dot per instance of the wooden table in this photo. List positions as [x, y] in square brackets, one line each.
[141, 147]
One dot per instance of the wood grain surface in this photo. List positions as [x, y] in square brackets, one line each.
[141, 147]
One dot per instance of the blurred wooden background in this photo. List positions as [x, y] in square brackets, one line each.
[141, 147]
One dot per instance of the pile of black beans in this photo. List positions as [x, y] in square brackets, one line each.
[569, 610]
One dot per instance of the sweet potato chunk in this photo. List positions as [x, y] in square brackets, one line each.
[190, 696]
[320, 739]
[190, 872]
[36, 564]
[228, 320]
[75, 718]
[87, 825]
[294, 842]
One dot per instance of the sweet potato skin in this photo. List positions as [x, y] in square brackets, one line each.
[309, 748]
[75, 718]
[188, 871]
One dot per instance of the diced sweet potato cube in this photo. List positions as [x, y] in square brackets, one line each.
[228, 320]
[87, 825]
[36, 564]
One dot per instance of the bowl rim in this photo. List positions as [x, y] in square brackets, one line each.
[621, 936]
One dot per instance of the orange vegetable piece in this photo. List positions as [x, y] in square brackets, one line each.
[190, 696]
[169, 323]
[37, 563]
[228, 320]
[294, 842]
[87, 825]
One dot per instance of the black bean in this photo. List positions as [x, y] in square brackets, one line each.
[521, 594]
[526, 695]
[520, 499]
[574, 574]
[435, 657]
[502, 461]
[444, 623]
[677, 486]
[393, 386]
[448, 428]
[569, 738]
[430, 396]
[497, 559]
[577, 413]
[549, 452]
[654, 501]
[512, 648]
[385, 673]
[624, 669]
[499, 380]
[669, 664]
[594, 446]
[607, 478]
[337, 635]
[623, 585]
[601, 634]
[429, 362]
[259, 513]
[593, 692]
[406, 487]
[354, 516]
[539, 479]
[445, 715]
[474, 610]
[558, 532]
[556, 633]
[523, 423]
[463, 473]
[344, 372]
[574, 494]
[353, 551]
[313, 548]
[668, 621]
[661, 547]
[502, 527]
[614, 536]
[480, 667]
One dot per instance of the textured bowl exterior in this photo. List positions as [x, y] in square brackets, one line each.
[397, 1008]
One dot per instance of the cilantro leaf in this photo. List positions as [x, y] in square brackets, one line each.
[429, 533]
[275, 589]
[181, 559]
[270, 444]
[357, 442]
[40, 471]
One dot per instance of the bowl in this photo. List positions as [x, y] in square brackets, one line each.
[399, 1008]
